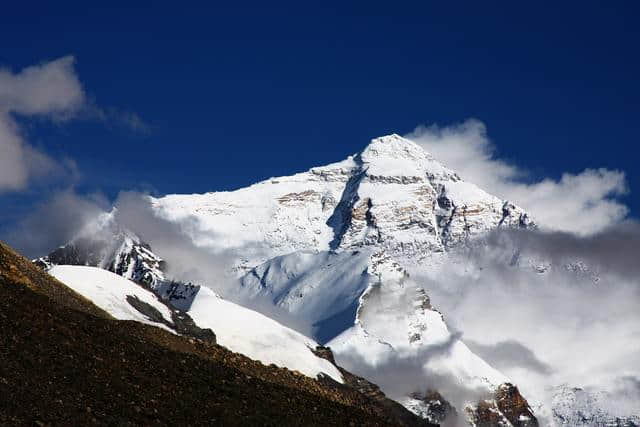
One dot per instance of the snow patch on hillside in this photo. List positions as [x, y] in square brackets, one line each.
[109, 292]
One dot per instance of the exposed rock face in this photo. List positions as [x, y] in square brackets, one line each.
[507, 408]
[182, 323]
[514, 407]
[400, 198]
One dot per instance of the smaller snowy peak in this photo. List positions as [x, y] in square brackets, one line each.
[103, 243]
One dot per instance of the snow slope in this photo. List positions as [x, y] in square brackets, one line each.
[320, 289]
[237, 328]
[109, 292]
[258, 337]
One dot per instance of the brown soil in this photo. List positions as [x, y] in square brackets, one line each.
[63, 361]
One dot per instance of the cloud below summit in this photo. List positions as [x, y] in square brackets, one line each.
[583, 203]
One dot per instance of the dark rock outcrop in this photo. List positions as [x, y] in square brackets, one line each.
[507, 405]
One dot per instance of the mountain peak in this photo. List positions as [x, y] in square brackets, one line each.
[395, 156]
[394, 146]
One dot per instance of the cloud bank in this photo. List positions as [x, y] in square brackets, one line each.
[576, 323]
[584, 203]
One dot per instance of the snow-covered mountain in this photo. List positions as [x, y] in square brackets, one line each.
[328, 252]
[392, 196]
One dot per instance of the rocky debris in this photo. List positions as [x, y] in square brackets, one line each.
[325, 353]
[179, 295]
[148, 310]
[183, 324]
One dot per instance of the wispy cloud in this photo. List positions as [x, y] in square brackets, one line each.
[583, 203]
[55, 221]
[51, 90]
[117, 118]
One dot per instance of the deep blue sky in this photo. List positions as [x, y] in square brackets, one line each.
[234, 95]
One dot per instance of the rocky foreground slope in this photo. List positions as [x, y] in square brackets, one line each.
[64, 361]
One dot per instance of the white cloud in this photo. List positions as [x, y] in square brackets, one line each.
[51, 90]
[584, 203]
[561, 327]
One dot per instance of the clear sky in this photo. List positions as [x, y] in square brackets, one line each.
[227, 96]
